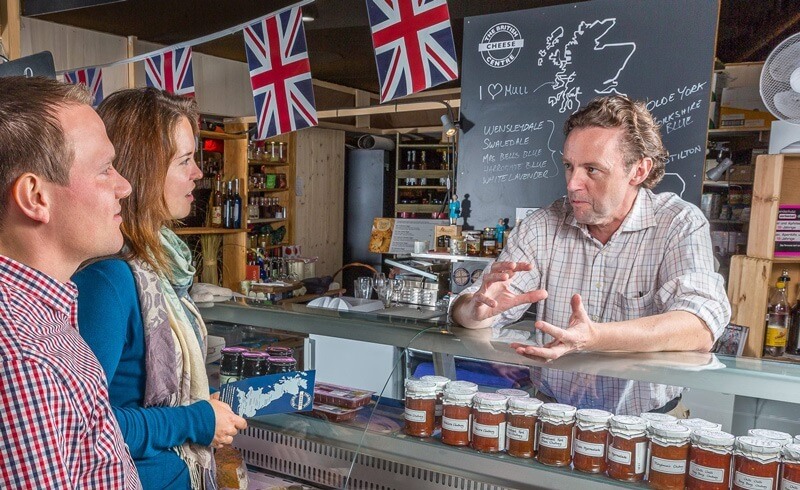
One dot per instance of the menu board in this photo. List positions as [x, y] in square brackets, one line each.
[525, 72]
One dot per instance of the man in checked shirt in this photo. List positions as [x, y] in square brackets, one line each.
[612, 266]
[59, 206]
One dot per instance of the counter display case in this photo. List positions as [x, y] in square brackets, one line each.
[338, 454]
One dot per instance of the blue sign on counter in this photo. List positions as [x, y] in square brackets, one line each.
[273, 393]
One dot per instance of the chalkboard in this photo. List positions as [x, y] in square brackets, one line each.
[524, 73]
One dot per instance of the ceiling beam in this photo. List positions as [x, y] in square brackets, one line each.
[767, 36]
[387, 109]
[340, 88]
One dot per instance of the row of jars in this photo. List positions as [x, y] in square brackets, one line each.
[668, 453]
[267, 181]
[239, 363]
[269, 151]
[260, 207]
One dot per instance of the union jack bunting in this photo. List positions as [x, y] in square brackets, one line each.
[171, 71]
[91, 78]
[280, 74]
[413, 43]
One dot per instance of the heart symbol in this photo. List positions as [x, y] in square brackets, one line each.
[494, 89]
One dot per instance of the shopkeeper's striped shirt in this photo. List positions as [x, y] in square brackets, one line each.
[659, 260]
[58, 430]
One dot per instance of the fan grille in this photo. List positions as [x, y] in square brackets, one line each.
[776, 92]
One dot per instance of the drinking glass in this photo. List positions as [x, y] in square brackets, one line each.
[397, 287]
[384, 290]
[363, 287]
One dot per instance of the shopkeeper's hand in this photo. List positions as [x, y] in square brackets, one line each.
[495, 295]
[578, 336]
[228, 424]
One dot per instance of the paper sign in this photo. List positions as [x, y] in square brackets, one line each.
[273, 393]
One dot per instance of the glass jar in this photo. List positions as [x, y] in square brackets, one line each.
[653, 418]
[279, 365]
[556, 421]
[755, 463]
[254, 364]
[282, 153]
[669, 451]
[273, 153]
[278, 351]
[230, 366]
[790, 472]
[627, 448]
[710, 458]
[420, 408]
[511, 392]
[440, 382]
[456, 411]
[591, 438]
[696, 423]
[488, 243]
[473, 241]
[489, 422]
[467, 385]
[781, 438]
[523, 413]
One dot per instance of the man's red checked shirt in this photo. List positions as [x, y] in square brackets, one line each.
[57, 429]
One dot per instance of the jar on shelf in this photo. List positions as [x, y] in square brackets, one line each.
[755, 463]
[467, 385]
[710, 458]
[781, 438]
[523, 413]
[230, 366]
[456, 411]
[696, 423]
[627, 448]
[282, 152]
[473, 241]
[790, 472]
[279, 351]
[654, 418]
[556, 422]
[254, 364]
[489, 422]
[669, 452]
[420, 408]
[440, 382]
[511, 392]
[591, 439]
[273, 153]
[488, 243]
[279, 365]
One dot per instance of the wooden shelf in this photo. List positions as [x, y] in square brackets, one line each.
[221, 136]
[255, 163]
[736, 131]
[207, 231]
[423, 187]
[725, 183]
[250, 190]
[265, 220]
[727, 222]
[786, 260]
[428, 174]
[419, 208]
[424, 146]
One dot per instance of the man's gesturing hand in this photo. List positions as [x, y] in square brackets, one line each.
[495, 295]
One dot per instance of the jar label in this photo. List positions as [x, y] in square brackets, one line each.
[491, 431]
[518, 433]
[789, 485]
[619, 457]
[668, 466]
[590, 448]
[455, 425]
[751, 482]
[438, 410]
[225, 378]
[555, 442]
[641, 457]
[776, 336]
[704, 473]
[418, 416]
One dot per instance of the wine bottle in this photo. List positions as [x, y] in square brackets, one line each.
[216, 204]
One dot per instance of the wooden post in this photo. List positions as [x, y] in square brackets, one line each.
[234, 246]
[130, 67]
[10, 28]
[362, 100]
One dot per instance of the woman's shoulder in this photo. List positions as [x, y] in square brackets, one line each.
[103, 273]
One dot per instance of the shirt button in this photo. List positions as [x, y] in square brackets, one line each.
[598, 285]
[595, 318]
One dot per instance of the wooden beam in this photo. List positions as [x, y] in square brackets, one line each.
[387, 109]
[414, 130]
[10, 28]
[434, 93]
[350, 128]
[362, 100]
[768, 36]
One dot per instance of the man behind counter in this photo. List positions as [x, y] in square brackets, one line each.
[613, 266]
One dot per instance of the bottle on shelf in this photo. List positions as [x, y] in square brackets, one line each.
[793, 342]
[423, 165]
[777, 319]
[252, 208]
[237, 206]
[227, 206]
[216, 204]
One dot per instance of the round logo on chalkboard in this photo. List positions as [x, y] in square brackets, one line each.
[501, 45]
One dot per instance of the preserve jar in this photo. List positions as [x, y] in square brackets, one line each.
[790, 474]
[652, 418]
[489, 422]
[420, 408]
[511, 392]
[279, 365]
[523, 412]
[556, 422]
[278, 351]
[254, 364]
[710, 458]
[627, 448]
[755, 464]
[591, 438]
[456, 411]
[230, 366]
[781, 438]
[467, 385]
[695, 424]
[669, 452]
[440, 382]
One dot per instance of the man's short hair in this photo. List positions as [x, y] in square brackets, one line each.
[31, 137]
[640, 139]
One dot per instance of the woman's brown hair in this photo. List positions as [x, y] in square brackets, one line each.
[141, 123]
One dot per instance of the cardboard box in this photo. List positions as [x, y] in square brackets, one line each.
[732, 117]
[450, 231]
[741, 173]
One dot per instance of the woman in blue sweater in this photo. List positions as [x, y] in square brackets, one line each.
[134, 311]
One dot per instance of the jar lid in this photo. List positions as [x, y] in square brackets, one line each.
[276, 349]
[558, 410]
[234, 350]
[509, 392]
[652, 418]
[791, 453]
[282, 360]
[628, 422]
[593, 416]
[255, 355]
[527, 404]
[490, 400]
[458, 395]
[420, 387]
[782, 437]
[670, 430]
[758, 445]
[695, 424]
[462, 385]
[711, 437]
[439, 381]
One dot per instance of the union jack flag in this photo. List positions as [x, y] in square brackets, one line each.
[171, 71]
[91, 78]
[280, 74]
[413, 43]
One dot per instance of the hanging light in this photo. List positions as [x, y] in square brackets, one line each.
[310, 13]
[449, 126]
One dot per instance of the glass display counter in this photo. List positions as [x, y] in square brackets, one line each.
[334, 454]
